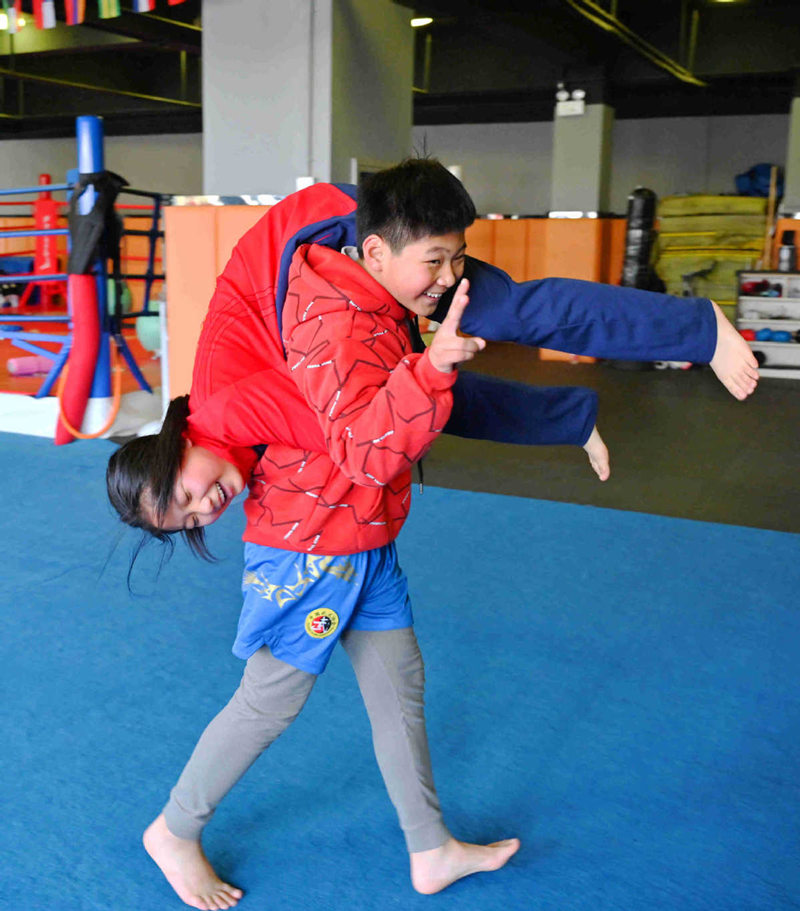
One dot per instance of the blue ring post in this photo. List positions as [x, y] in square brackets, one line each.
[91, 159]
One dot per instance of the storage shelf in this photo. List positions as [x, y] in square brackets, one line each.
[779, 313]
[784, 323]
[768, 308]
[780, 373]
[761, 298]
[776, 346]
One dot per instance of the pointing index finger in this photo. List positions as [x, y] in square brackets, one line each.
[457, 306]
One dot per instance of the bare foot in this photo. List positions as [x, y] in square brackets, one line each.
[187, 870]
[597, 451]
[432, 871]
[733, 362]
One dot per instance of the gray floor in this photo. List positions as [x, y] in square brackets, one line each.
[680, 446]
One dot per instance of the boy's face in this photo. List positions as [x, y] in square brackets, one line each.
[204, 488]
[421, 272]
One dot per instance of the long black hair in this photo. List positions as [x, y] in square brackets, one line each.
[140, 480]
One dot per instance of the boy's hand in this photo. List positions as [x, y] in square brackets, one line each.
[448, 349]
[597, 451]
[733, 362]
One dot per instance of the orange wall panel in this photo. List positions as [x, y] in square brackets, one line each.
[191, 260]
[614, 250]
[536, 247]
[574, 248]
[232, 223]
[480, 237]
[200, 240]
[510, 248]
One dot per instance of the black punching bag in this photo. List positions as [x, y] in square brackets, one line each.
[637, 272]
[639, 237]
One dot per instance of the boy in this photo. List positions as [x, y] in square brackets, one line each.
[379, 405]
[321, 563]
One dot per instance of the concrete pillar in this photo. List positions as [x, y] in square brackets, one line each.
[298, 89]
[582, 159]
[791, 192]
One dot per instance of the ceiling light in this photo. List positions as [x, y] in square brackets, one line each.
[21, 21]
[3, 21]
[423, 20]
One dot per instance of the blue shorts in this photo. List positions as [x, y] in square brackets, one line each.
[299, 604]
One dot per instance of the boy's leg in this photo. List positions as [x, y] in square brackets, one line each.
[391, 677]
[269, 698]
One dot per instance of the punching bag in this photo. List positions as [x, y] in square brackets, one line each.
[639, 238]
[637, 271]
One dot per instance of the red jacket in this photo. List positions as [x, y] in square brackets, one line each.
[239, 354]
[364, 406]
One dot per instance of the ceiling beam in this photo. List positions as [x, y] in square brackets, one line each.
[609, 23]
[155, 31]
[104, 89]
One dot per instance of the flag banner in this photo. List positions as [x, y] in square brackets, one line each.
[11, 17]
[44, 12]
[48, 14]
[144, 6]
[75, 10]
[175, 2]
[7, 14]
[108, 9]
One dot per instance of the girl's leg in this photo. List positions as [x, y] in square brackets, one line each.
[391, 677]
[269, 698]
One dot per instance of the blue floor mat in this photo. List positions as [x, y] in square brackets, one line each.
[617, 689]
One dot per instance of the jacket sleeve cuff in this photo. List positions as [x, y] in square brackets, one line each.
[428, 376]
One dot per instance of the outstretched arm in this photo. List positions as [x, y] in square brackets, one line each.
[605, 321]
[505, 411]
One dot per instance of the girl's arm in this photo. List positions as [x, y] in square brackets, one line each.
[586, 317]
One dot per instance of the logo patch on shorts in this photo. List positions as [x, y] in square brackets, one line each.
[321, 623]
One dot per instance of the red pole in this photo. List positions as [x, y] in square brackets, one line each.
[82, 355]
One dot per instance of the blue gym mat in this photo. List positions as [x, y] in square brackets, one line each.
[617, 689]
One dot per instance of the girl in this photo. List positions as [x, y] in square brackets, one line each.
[297, 604]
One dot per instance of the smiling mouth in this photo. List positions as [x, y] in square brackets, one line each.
[223, 496]
[432, 296]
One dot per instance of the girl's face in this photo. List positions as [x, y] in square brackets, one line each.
[204, 487]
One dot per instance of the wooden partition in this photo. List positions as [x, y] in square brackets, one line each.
[199, 241]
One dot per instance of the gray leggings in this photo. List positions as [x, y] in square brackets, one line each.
[391, 677]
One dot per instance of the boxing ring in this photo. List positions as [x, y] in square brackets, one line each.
[81, 394]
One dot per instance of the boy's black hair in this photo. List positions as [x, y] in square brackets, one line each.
[141, 475]
[417, 198]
